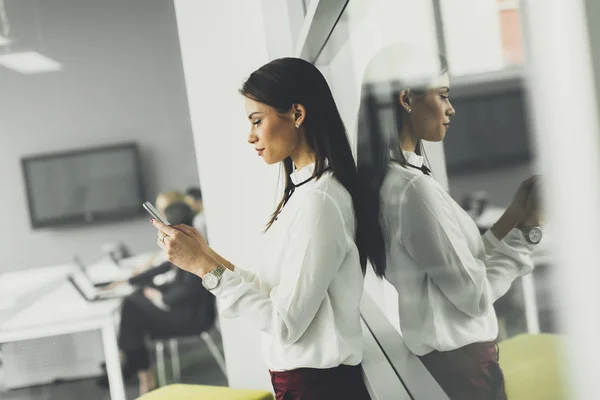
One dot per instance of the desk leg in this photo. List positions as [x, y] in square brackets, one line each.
[531, 308]
[113, 362]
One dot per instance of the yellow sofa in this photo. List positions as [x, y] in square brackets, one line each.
[201, 392]
[532, 367]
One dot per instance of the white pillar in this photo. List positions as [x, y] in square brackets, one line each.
[221, 44]
[564, 102]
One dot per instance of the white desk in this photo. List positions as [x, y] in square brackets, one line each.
[57, 308]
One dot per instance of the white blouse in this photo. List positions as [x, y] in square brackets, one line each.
[306, 293]
[447, 275]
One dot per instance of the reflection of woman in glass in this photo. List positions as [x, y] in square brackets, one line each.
[447, 275]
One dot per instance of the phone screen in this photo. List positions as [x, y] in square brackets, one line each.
[154, 213]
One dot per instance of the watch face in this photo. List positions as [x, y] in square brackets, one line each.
[210, 281]
[535, 235]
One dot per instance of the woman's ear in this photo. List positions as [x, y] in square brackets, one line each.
[405, 101]
[299, 112]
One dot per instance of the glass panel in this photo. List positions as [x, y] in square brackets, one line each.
[510, 32]
[485, 156]
[481, 35]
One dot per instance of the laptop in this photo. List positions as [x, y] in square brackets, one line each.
[84, 285]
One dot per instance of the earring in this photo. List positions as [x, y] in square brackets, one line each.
[297, 126]
[409, 110]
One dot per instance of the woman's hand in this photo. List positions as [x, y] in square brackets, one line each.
[523, 208]
[533, 215]
[185, 247]
[521, 204]
[114, 285]
[153, 294]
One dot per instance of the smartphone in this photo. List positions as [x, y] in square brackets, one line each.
[154, 212]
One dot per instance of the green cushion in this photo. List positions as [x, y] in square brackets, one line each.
[532, 367]
[201, 392]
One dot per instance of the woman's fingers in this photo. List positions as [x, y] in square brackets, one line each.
[166, 229]
[189, 230]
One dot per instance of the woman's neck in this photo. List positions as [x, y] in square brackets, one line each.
[303, 158]
[407, 140]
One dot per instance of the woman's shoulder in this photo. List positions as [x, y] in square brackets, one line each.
[401, 182]
[330, 191]
[329, 185]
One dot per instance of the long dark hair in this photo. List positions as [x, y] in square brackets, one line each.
[287, 81]
[380, 121]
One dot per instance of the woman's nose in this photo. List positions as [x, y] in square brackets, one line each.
[252, 138]
[450, 112]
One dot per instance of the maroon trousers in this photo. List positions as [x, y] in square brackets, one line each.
[341, 382]
[469, 373]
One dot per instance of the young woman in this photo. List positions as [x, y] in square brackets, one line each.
[447, 275]
[305, 298]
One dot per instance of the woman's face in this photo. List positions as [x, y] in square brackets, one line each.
[431, 113]
[272, 134]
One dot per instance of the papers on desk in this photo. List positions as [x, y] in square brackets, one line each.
[106, 271]
[140, 259]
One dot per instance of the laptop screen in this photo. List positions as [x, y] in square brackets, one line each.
[83, 284]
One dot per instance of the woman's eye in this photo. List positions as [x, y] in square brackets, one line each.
[445, 97]
[256, 122]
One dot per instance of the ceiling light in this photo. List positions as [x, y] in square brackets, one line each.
[29, 62]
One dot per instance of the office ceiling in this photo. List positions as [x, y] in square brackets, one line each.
[97, 33]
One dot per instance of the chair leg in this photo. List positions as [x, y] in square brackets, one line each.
[160, 363]
[175, 365]
[214, 350]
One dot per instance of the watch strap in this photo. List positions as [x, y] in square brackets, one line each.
[219, 271]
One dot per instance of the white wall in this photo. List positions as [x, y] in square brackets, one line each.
[113, 88]
[562, 62]
[221, 45]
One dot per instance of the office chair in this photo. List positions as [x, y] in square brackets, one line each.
[173, 344]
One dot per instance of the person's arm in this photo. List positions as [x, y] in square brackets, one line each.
[145, 278]
[186, 286]
[512, 247]
[319, 241]
[438, 244]
[506, 238]
[524, 208]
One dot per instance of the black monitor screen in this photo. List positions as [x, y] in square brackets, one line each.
[83, 186]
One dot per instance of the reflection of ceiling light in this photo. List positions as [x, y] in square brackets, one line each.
[4, 41]
[29, 62]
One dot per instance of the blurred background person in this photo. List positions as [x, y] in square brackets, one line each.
[193, 196]
[164, 199]
[179, 307]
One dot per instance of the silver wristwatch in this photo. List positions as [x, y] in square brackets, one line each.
[533, 234]
[212, 279]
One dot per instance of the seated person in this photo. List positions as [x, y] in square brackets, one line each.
[164, 199]
[193, 197]
[182, 307]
